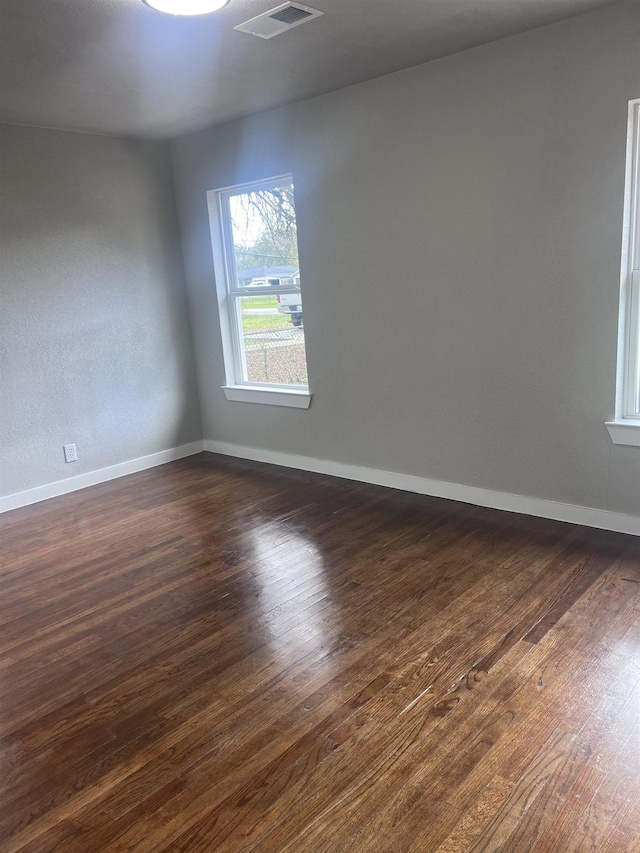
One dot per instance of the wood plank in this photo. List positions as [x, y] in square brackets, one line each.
[223, 655]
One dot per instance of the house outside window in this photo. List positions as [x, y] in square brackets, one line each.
[258, 281]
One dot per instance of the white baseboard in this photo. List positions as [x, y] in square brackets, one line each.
[92, 478]
[588, 516]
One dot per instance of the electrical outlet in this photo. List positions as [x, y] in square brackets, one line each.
[70, 453]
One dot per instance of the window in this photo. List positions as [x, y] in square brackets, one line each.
[255, 248]
[625, 429]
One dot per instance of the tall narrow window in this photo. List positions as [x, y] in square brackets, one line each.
[626, 427]
[254, 234]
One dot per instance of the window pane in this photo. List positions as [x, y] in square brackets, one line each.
[637, 364]
[263, 225]
[265, 254]
[273, 339]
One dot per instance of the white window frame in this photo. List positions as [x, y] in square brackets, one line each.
[625, 428]
[236, 388]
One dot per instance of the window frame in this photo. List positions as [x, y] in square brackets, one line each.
[237, 388]
[625, 428]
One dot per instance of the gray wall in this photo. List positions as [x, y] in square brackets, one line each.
[460, 231]
[94, 324]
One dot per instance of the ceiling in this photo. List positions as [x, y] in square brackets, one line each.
[119, 67]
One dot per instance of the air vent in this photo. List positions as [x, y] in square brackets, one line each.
[278, 20]
[290, 15]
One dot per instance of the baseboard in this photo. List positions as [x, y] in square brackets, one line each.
[574, 514]
[92, 478]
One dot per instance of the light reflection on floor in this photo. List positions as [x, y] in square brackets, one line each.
[292, 583]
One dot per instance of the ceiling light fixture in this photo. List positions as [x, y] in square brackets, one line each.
[186, 7]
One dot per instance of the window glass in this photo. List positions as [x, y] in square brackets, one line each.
[264, 299]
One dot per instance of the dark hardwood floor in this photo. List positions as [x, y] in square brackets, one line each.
[224, 656]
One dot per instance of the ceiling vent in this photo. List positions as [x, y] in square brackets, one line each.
[278, 20]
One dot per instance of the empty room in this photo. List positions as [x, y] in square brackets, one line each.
[320, 426]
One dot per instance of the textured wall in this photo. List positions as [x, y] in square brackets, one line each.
[94, 324]
[460, 229]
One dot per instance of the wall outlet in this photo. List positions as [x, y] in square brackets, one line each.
[70, 453]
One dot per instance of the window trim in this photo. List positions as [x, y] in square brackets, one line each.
[268, 395]
[228, 292]
[625, 428]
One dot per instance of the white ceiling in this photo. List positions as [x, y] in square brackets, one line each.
[119, 67]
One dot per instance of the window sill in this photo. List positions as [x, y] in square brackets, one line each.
[625, 431]
[294, 399]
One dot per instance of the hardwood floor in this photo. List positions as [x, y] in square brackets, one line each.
[225, 656]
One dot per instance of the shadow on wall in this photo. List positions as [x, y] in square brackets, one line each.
[95, 329]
